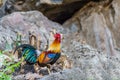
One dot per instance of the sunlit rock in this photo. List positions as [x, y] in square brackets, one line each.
[98, 24]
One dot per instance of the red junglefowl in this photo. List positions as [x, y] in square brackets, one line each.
[53, 53]
[32, 55]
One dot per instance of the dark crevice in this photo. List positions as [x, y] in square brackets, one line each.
[61, 13]
[55, 12]
[112, 12]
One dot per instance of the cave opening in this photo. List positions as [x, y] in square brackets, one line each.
[63, 12]
[56, 12]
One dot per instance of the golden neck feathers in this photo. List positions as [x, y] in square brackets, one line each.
[55, 46]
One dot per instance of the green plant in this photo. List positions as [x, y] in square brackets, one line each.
[8, 68]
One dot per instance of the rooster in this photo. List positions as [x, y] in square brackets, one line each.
[53, 53]
[32, 55]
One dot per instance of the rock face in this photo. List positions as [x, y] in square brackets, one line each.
[98, 24]
[26, 24]
[93, 63]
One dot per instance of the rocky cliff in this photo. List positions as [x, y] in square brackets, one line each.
[90, 28]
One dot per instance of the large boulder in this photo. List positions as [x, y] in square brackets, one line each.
[26, 23]
[98, 25]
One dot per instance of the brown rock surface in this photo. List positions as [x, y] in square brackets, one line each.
[98, 24]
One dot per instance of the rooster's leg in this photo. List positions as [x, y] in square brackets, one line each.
[48, 68]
